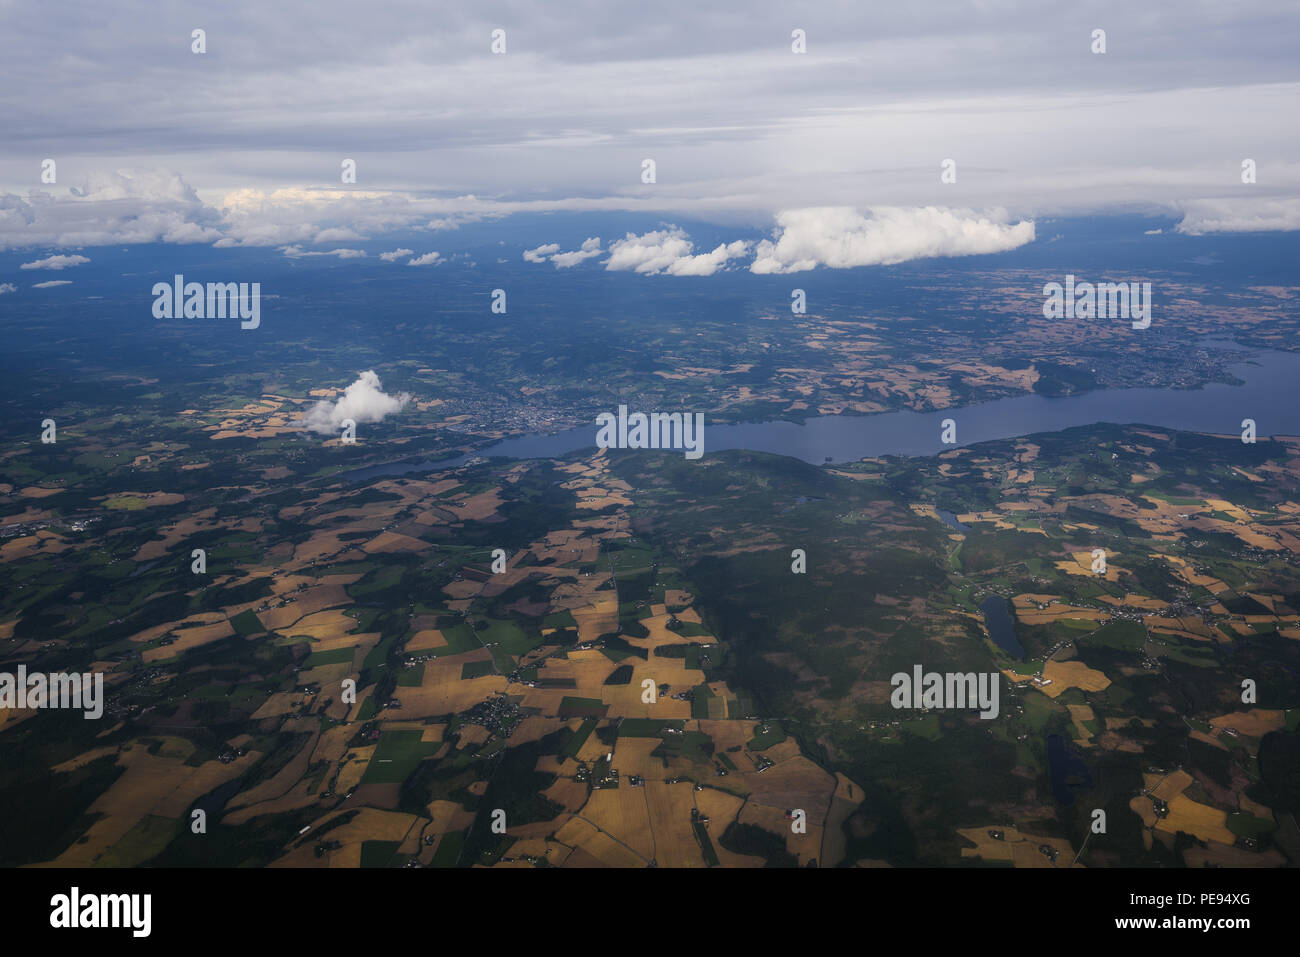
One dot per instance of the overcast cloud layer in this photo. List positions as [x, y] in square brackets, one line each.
[836, 153]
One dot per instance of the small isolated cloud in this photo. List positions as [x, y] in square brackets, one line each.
[396, 254]
[362, 401]
[540, 254]
[551, 251]
[590, 248]
[55, 262]
[1152, 232]
[1239, 216]
[452, 222]
[669, 251]
[51, 283]
[841, 237]
[426, 260]
[7, 287]
[297, 252]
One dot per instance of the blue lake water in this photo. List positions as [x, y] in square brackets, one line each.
[950, 519]
[1002, 629]
[1068, 771]
[1268, 395]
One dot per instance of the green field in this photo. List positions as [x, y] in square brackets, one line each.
[774, 734]
[477, 669]
[378, 853]
[335, 656]
[574, 707]
[397, 755]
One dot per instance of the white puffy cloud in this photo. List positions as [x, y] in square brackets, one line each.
[453, 221]
[362, 401]
[651, 252]
[590, 249]
[540, 254]
[133, 206]
[123, 207]
[1239, 216]
[835, 236]
[51, 283]
[260, 217]
[337, 234]
[551, 251]
[256, 217]
[426, 260]
[55, 262]
[706, 264]
[7, 287]
[297, 252]
[840, 237]
[669, 251]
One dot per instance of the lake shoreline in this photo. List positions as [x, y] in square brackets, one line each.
[1267, 395]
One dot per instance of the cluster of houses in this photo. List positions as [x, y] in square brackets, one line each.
[497, 713]
[603, 775]
[230, 754]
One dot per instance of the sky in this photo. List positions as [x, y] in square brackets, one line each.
[836, 153]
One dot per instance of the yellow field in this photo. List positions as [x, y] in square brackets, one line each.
[1206, 823]
[806, 846]
[441, 690]
[1079, 713]
[1017, 848]
[624, 814]
[1143, 808]
[188, 638]
[670, 817]
[598, 846]
[1254, 723]
[1169, 786]
[305, 603]
[1072, 674]
[1188, 574]
[370, 824]
[1081, 564]
[150, 785]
